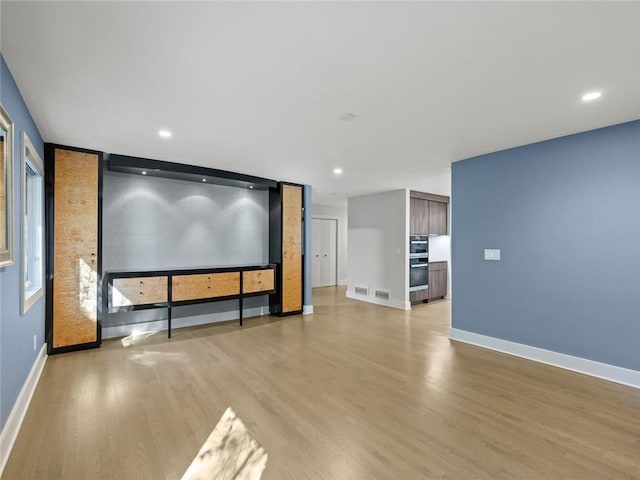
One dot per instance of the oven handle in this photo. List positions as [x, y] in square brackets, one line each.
[416, 265]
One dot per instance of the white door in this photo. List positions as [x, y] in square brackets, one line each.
[324, 245]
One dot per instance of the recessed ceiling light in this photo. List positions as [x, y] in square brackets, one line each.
[164, 133]
[144, 172]
[348, 117]
[587, 97]
[250, 186]
[204, 179]
[337, 171]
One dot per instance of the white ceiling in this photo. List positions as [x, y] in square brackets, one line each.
[259, 88]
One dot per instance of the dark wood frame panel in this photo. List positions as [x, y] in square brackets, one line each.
[189, 173]
[276, 249]
[49, 179]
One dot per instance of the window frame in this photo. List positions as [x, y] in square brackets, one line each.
[30, 160]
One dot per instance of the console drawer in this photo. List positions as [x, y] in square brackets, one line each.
[206, 285]
[258, 280]
[138, 291]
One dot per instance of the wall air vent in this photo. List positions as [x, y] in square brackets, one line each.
[361, 290]
[383, 294]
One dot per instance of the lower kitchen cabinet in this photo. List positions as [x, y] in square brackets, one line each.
[437, 280]
[419, 296]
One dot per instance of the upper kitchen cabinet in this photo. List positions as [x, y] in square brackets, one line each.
[428, 214]
[419, 216]
[437, 218]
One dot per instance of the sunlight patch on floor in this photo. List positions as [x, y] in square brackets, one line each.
[136, 337]
[229, 453]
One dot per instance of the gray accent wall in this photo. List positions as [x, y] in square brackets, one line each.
[17, 331]
[565, 214]
[152, 222]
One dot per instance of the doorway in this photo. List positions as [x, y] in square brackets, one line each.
[324, 245]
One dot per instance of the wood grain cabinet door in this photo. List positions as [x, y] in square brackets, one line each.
[138, 291]
[291, 248]
[437, 218]
[258, 280]
[75, 248]
[437, 280]
[207, 285]
[418, 216]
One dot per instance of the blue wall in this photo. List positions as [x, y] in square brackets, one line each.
[16, 332]
[566, 215]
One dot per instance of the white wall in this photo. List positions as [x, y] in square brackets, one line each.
[440, 251]
[340, 214]
[377, 243]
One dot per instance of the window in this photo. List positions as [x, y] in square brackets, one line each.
[32, 225]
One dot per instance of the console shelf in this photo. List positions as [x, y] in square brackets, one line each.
[127, 290]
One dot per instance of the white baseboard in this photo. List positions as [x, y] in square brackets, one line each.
[19, 410]
[605, 371]
[307, 309]
[344, 281]
[159, 325]
[378, 301]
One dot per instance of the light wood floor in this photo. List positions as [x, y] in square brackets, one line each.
[354, 391]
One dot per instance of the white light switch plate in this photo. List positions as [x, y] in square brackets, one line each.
[492, 254]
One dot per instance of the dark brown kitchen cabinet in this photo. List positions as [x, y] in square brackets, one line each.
[437, 280]
[437, 218]
[419, 216]
[427, 214]
[418, 296]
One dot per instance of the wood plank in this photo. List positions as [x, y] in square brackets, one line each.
[258, 280]
[207, 285]
[291, 248]
[139, 291]
[358, 391]
[75, 248]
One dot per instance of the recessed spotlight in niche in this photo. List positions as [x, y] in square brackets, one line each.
[164, 133]
[144, 172]
[587, 97]
[250, 186]
[204, 179]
